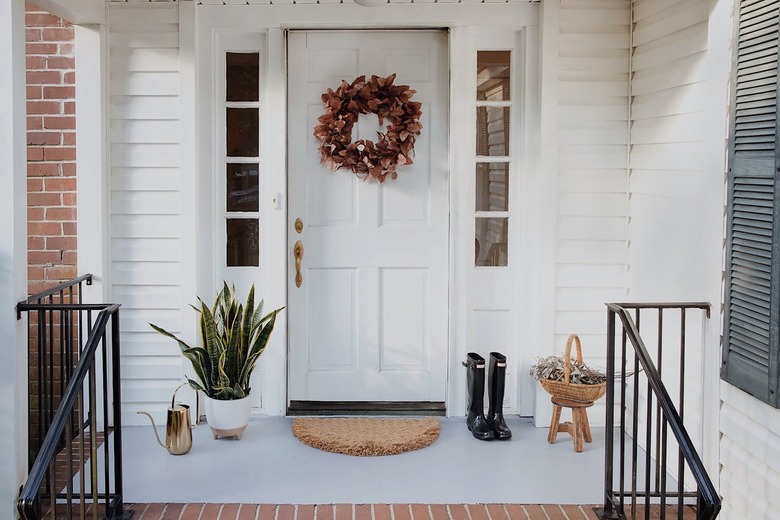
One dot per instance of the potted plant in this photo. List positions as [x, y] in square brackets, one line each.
[232, 337]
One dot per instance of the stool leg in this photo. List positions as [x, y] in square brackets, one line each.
[586, 426]
[575, 417]
[556, 417]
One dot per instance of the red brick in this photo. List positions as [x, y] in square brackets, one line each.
[44, 228]
[67, 243]
[43, 199]
[35, 243]
[69, 229]
[63, 214]
[573, 512]
[478, 512]
[59, 92]
[68, 169]
[69, 107]
[43, 107]
[247, 511]
[458, 512]
[35, 62]
[343, 512]
[60, 184]
[535, 512]
[496, 511]
[60, 122]
[34, 153]
[439, 512]
[191, 511]
[69, 78]
[43, 170]
[381, 512]
[34, 184]
[33, 34]
[265, 512]
[210, 512]
[41, 20]
[44, 257]
[304, 512]
[60, 62]
[515, 512]
[35, 273]
[66, 49]
[34, 123]
[69, 138]
[554, 512]
[285, 512]
[590, 514]
[41, 48]
[69, 258]
[35, 214]
[43, 138]
[34, 92]
[420, 512]
[172, 512]
[401, 512]
[153, 512]
[44, 77]
[362, 512]
[59, 154]
[69, 199]
[59, 34]
[325, 512]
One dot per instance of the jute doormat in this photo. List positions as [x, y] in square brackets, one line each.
[366, 437]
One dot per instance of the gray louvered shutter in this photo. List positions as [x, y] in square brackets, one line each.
[750, 349]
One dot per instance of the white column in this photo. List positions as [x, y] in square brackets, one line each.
[13, 255]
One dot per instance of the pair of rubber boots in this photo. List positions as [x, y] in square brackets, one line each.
[492, 426]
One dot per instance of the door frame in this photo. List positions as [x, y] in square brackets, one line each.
[215, 26]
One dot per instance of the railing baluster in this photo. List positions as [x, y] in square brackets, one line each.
[660, 416]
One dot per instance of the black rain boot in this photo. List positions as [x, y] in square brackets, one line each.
[497, 383]
[475, 385]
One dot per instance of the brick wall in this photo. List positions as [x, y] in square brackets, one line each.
[51, 150]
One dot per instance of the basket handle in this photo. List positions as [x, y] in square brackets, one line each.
[573, 338]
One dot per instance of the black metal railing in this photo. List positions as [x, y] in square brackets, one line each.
[54, 340]
[645, 478]
[77, 471]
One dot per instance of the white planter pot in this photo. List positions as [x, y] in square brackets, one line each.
[228, 418]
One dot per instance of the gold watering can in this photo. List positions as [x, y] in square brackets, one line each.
[178, 431]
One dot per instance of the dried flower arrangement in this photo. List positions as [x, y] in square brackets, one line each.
[364, 157]
[552, 368]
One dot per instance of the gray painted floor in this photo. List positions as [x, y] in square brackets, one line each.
[269, 465]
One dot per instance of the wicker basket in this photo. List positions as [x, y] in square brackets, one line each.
[573, 391]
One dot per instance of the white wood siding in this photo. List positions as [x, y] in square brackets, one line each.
[592, 162]
[145, 202]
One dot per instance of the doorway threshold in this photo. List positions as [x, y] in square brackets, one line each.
[425, 408]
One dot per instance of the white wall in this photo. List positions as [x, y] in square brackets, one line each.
[13, 256]
[592, 148]
[147, 255]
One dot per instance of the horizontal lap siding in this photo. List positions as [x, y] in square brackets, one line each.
[668, 179]
[145, 200]
[592, 133]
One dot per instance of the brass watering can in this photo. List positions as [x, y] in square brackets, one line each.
[178, 431]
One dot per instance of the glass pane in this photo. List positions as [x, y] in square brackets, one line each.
[492, 187]
[243, 126]
[490, 245]
[493, 131]
[493, 72]
[242, 188]
[243, 76]
[243, 242]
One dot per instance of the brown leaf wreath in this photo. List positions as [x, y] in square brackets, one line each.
[364, 157]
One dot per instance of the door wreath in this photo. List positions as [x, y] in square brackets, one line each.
[364, 157]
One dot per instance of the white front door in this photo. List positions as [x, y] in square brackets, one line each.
[369, 321]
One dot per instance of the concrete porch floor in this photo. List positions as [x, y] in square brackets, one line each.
[270, 466]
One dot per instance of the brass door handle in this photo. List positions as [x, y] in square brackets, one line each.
[298, 254]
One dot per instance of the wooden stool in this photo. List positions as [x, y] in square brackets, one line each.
[579, 416]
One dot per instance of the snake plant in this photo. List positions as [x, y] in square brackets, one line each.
[232, 337]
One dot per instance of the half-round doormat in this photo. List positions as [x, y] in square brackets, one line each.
[366, 437]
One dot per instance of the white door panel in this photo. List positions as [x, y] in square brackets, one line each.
[370, 320]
